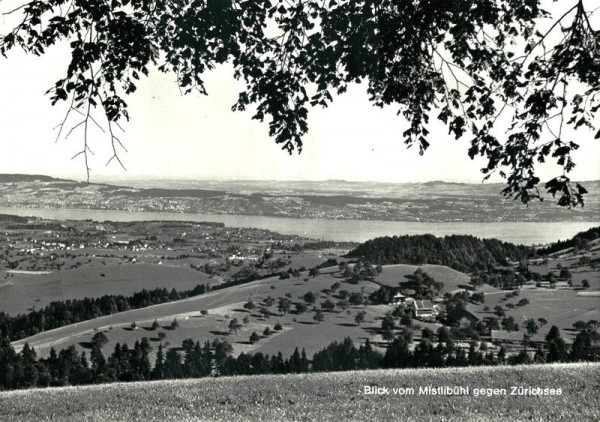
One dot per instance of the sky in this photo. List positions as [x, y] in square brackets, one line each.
[197, 137]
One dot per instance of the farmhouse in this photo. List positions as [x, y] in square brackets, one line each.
[423, 309]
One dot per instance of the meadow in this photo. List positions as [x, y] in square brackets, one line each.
[562, 306]
[392, 275]
[558, 307]
[97, 277]
[323, 397]
[299, 330]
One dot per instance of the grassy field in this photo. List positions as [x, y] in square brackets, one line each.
[324, 397]
[98, 277]
[392, 275]
[299, 330]
[560, 306]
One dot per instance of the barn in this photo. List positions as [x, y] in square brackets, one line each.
[423, 309]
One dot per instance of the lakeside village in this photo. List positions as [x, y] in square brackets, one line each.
[411, 202]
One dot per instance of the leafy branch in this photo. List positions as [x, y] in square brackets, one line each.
[471, 64]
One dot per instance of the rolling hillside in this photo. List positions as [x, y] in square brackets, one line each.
[561, 306]
[452, 279]
[24, 291]
[299, 329]
[324, 397]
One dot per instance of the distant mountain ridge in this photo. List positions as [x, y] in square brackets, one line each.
[162, 184]
[16, 177]
[434, 201]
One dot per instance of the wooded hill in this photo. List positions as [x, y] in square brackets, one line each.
[579, 241]
[460, 252]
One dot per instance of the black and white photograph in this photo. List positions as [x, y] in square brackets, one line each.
[299, 210]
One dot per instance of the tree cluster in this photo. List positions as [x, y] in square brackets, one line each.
[423, 284]
[358, 271]
[501, 277]
[193, 360]
[460, 252]
[60, 313]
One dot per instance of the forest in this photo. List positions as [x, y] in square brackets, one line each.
[460, 252]
[60, 313]
[194, 360]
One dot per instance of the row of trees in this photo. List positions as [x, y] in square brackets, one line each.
[60, 313]
[446, 352]
[194, 360]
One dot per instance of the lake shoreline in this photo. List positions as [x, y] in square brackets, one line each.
[522, 232]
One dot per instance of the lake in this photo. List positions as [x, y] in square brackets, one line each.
[527, 233]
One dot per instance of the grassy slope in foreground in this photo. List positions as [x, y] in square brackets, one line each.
[329, 396]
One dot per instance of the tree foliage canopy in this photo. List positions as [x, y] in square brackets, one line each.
[460, 252]
[470, 64]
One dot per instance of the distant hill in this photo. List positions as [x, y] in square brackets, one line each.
[579, 241]
[441, 182]
[175, 193]
[13, 178]
[462, 253]
[433, 202]
[16, 219]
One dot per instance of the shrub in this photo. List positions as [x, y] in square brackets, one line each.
[309, 297]
[254, 337]
[356, 299]
[360, 317]
[328, 305]
[100, 339]
[319, 316]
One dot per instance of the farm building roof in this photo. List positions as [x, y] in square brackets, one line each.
[423, 304]
[459, 313]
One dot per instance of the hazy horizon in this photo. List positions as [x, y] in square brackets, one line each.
[141, 178]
